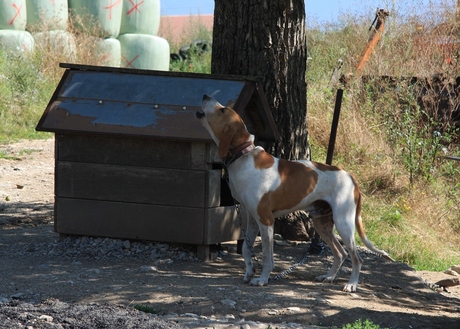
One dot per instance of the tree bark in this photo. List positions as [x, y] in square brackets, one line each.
[266, 38]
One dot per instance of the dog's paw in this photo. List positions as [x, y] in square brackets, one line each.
[324, 278]
[258, 282]
[350, 287]
[249, 275]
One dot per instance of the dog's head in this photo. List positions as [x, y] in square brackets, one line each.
[224, 125]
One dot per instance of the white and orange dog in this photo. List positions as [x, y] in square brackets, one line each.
[269, 187]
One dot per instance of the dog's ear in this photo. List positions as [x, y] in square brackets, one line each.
[224, 144]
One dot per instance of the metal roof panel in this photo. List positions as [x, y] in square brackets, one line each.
[101, 100]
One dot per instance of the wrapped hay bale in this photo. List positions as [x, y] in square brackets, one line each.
[108, 52]
[47, 15]
[143, 51]
[16, 42]
[100, 18]
[140, 16]
[57, 41]
[13, 14]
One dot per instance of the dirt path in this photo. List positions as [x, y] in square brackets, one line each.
[191, 293]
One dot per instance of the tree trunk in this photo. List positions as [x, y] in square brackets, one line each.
[266, 38]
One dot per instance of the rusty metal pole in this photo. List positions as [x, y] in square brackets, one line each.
[377, 31]
[335, 124]
[452, 157]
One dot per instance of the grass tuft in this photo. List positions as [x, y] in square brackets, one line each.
[360, 324]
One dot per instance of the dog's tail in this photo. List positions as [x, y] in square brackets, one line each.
[362, 234]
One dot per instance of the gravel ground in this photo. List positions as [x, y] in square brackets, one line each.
[93, 282]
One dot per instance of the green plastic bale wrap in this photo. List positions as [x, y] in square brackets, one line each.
[101, 18]
[143, 51]
[108, 52]
[13, 14]
[58, 41]
[47, 15]
[140, 16]
[16, 42]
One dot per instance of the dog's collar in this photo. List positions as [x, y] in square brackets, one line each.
[237, 152]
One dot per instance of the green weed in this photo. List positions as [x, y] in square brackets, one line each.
[25, 93]
[146, 309]
[359, 324]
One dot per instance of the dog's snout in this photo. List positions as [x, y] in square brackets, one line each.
[199, 115]
[205, 97]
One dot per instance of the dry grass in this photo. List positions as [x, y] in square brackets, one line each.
[384, 137]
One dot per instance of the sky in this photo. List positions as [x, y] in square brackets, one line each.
[322, 11]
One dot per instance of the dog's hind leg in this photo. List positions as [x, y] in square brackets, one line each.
[252, 229]
[325, 228]
[348, 238]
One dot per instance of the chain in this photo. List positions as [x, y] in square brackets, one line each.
[290, 269]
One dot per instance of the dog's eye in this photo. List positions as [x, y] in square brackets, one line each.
[222, 109]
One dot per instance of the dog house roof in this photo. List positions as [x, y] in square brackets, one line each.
[157, 104]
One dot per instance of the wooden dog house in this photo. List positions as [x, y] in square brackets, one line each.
[132, 162]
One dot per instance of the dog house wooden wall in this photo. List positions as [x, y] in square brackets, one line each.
[132, 162]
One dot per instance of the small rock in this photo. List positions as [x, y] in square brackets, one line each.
[93, 271]
[46, 318]
[277, 236]
[154, 254]
[294, 309]
[19, 295]
[126, 244]
[229, 317]
[164, 261]
[4, 300]
[455, 268]
[451, 272]
[450, 282]
[149, 269]
[228, 302]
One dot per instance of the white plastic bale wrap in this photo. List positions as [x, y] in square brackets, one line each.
[140, 16]
[143, 51]
[16, 42]
[44, 15]
[108, 52]
[13, 14]
[101, 18]
[58, 41]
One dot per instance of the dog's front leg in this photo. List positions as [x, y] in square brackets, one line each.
[252, 229]
[266, 233]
